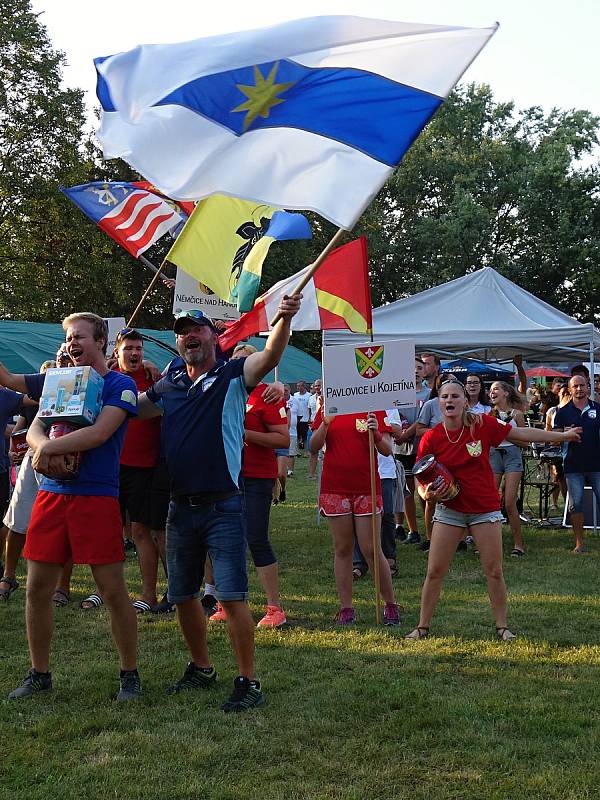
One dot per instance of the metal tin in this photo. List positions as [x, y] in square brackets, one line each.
[428, 470]
[18, 444]
[72, 460]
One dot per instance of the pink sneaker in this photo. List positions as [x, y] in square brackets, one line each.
[391, 614]
[274, 618]
[220, 614]
[345, 616]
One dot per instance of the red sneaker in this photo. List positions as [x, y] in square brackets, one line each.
[274, 618]
[220, 614]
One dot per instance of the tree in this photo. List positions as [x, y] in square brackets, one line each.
[53, 260]
[486, 186]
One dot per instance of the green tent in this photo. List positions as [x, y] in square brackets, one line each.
[25, 345]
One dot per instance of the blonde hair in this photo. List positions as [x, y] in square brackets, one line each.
[244, 346]
[100, 328]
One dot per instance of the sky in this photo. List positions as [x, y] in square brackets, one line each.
[545, 52]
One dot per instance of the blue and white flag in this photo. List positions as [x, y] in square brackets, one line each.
[310, 114]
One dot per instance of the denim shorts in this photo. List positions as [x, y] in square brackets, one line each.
[217, 529]
[282, 451]
[575, 484]
[463, 520]
[506, 459]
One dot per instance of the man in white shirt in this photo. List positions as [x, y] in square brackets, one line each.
[302, 397]
[293, 407]
[313, 401]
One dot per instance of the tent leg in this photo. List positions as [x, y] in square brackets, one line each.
[594, 501]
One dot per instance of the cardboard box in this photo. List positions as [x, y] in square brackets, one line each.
[72, 395]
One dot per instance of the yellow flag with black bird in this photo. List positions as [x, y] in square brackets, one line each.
[225, 241]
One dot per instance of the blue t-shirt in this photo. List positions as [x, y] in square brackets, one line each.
[11, 404]
[203, 426]
[581, 456]
[99, 470]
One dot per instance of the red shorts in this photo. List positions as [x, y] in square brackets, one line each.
[336, 505]
[87, 529]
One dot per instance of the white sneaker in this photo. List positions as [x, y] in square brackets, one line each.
[290, 473]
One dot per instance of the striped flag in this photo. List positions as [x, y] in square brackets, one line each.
[130, 213]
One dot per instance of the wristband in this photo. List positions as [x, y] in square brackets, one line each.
[377, 436]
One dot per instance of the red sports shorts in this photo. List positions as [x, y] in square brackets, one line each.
[87, 529]
[337, 505]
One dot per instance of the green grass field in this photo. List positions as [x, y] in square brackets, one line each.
[355, 713]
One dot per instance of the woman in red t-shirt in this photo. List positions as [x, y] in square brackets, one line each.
[345, 499]
[461, 442]
[265, 430]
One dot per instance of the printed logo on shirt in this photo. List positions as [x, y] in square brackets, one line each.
[129, 397]
[474, 448]
[361, 425]
[282, 413]
[249, 407]
[592, 413]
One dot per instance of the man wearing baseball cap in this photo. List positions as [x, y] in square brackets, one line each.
[203, 403]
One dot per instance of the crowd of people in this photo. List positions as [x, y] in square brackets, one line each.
[188, 462]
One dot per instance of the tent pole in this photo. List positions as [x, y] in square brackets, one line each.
[594, 501]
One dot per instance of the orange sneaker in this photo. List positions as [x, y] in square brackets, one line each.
[220, 614]
[274, 618]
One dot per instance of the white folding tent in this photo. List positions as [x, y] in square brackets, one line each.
[482, 315]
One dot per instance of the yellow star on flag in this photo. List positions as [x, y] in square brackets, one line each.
[262, 96]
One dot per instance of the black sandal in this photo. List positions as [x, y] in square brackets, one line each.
[13, 585]
[421, 631]
[91, 602]
[358, 573]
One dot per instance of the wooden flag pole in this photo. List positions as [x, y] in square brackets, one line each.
[314, 267]
[145, 295]
[374, 530]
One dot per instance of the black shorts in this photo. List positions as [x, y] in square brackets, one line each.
[407, 462]
[160, 497]
[135, 487]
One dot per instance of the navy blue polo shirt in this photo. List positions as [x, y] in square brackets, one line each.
[581, 456]
[203, 426]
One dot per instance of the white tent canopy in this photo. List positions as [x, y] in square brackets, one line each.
[485, 316]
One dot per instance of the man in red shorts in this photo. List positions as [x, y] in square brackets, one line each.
[80, 518]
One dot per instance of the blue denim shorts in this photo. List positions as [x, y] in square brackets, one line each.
[506, 459]
[217, 529]
[463, 520]
[576, 481]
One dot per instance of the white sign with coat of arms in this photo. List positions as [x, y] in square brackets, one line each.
[372, 377]
[189, 293]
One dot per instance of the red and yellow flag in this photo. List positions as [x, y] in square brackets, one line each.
[337, 296]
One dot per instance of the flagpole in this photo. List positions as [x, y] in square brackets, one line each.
[145, 295]
[314, 267]
[148, 264]
[375, 532]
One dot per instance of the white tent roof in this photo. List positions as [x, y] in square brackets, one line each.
[482, 315]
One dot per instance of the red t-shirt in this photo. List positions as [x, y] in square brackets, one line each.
[468, 461]
[346, 466]
[261, 462]
[142, 440]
